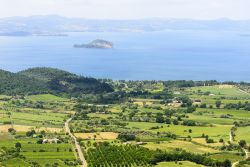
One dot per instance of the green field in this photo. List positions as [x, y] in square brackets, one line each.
[216, 131]
[230, 156]
[188, 146]
[40, 153]
[46, 98]
[242, 134]
[222, 90]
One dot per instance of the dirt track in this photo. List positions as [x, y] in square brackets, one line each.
[77, 145]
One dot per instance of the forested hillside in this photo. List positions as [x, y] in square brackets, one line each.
[44, 80]
[11, 84]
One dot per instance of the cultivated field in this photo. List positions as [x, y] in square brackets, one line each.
[165, 127]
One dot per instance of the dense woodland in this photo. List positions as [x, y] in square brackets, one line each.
[49, 80]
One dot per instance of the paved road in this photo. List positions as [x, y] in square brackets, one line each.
[77, 145]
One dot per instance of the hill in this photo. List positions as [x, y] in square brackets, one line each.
[46, 74]
[12, 84]
[43, 80]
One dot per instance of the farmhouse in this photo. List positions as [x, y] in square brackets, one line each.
[50, 141]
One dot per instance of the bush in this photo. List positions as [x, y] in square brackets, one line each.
[175, 122]
[30, 133]
[39, 141]
[210, 141]
[168, 121]
[242, 143]
[126, 137]
[189, 123]
[203, 105]
[18, 145]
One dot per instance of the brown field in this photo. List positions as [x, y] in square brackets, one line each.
[24, 128]
[97, 136]
[5, 136]
[225, 86]
[141, 103]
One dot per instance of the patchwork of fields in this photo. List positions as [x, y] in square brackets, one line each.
[119, 134]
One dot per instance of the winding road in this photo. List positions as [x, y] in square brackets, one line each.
[230, 137]
[246, 152]
[77, 145]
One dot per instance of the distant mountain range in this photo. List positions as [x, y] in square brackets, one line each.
[57, 25]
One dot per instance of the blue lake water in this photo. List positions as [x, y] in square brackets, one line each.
[168, 55]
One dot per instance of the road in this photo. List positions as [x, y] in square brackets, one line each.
[243, 91]
[230, 137]
[235, 164]
[246, 152]
[77, 145]
[246, 157]
[231, 140]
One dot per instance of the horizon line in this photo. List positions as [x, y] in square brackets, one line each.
[123, 19]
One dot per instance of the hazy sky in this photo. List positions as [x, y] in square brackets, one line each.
[129, 9]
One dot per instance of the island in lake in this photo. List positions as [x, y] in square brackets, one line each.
[98, 43]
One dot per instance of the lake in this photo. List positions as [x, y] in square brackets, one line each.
[168, 55]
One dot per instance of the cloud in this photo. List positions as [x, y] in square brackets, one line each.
[129, 9]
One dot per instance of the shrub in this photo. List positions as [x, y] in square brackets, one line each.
[189, 123]
[126, 137]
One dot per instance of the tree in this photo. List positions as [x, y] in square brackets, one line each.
[227, 163]
[47, 165]
[12, 131]
[221, 141]
[30, 133]
[191, 109]
[175, 122]
[218, 104]
[203, 105]
[39, 141]
[159, 118]
[43, 132]
[168, 121]
[126, 137]
[210, 141]
[18, 145]
[189, 123]
[242, 143]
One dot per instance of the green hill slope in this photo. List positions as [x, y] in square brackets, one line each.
[45, 74]
[43, 80]
[12, 84]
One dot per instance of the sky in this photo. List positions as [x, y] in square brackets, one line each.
[129, 9]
